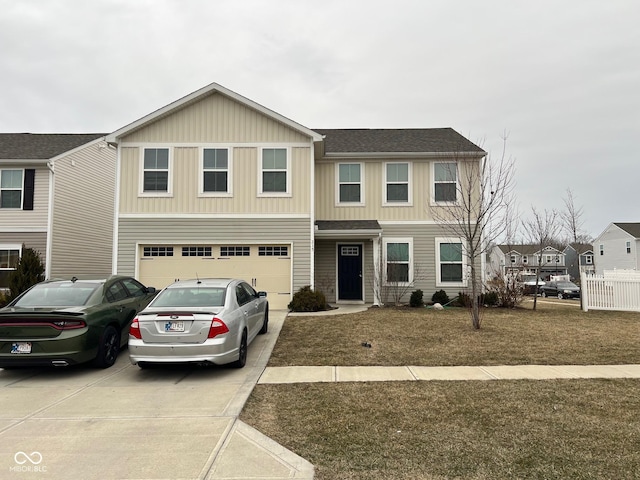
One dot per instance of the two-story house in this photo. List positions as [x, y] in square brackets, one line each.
[216, 185]
[527, 260]
[618, 247]
[56, 196]
[579, 258]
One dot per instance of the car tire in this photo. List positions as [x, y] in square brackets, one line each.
[543, 294]
[108, 348]
[265, 323]
[242, 352]
[560, 296]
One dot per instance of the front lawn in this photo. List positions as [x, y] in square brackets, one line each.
[544, 429]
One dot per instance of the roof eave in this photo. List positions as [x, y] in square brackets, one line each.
[472, 155]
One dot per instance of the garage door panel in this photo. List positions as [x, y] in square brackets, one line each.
[269, 273]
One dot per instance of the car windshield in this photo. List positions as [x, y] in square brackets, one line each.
[190, 297]
[566, 285]
[65, 294]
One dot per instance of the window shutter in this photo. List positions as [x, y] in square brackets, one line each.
[29, 180]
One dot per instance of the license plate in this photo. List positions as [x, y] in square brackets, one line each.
[174, 326]
[21, 347]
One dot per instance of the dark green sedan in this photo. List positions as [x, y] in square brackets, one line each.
[67, 322]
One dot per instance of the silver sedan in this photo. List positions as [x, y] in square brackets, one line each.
[199, 321]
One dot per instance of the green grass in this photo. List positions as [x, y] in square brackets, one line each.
[545, 429]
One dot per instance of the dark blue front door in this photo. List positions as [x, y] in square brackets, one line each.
[349, 272]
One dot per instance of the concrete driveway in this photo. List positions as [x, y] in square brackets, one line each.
[124, 422]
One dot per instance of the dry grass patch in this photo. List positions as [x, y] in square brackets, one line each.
[579, 429]
[554, 334]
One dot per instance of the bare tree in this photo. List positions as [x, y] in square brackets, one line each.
[480, 212]
[572, 221]
[542, 230]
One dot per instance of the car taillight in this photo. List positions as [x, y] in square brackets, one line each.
[134, 329]
[217, 327]
[69, 324]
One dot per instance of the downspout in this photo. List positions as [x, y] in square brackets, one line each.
[49, 241]
[376, 270]
[312, 217]
[116, 207]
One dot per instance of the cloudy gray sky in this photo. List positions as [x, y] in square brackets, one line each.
[561, 78]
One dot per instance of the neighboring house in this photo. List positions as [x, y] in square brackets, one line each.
[215, 184]
[617, 247]
[527, 259]
[579, 258]
[56, 196]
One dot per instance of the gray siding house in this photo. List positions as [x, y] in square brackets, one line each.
[56, 196]
[618, 247]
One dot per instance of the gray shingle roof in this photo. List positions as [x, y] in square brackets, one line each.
[348, 225]
[632, 229]
[403, 140]
[41, 146]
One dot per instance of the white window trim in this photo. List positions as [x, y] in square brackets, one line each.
[439, 282]
[169, 192]
[15, 189]
[387, 240]
[229, 192]
[11, 246]
[395, 203]
[432, 198]
[288, 172]
[338, 203]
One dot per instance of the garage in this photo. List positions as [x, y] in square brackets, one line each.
[266, 267]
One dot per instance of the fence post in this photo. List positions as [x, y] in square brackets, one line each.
[583, 292]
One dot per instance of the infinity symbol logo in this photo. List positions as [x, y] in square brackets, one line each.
[35, 458]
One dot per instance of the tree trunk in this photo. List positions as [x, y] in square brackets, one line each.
[475, 307]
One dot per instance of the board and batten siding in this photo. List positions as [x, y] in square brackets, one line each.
[217, 231]
[216, 119]
[29, 220]
[186, 172]
[83, 212]
[327, 207]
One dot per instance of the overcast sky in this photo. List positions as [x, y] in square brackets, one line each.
[562, 78]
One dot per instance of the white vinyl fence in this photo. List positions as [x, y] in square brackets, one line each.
[615, 290]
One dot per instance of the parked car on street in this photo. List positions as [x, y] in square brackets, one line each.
[199, 321]
[66, 322]
[560, 289]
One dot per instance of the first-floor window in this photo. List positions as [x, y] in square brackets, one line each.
[11, 188]
[398, 260]
[9, 258]
[450, 261]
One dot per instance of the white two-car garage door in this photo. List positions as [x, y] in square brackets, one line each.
[266, 267]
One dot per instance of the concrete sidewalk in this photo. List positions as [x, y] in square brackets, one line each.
[304, 374]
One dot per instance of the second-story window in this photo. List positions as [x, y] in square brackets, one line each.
[215, 170]
[274, 171]
[445, 182]
[11, 188]
[350, 183]
[588, 260]
[397, 183]
[628, 246]
[156, 170]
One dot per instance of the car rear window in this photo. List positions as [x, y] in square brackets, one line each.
[190, 297]
[58, 295]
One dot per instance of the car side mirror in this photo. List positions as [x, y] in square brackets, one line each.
[151, 290]
[262, 294]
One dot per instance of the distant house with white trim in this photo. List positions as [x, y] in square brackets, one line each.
[617, 247]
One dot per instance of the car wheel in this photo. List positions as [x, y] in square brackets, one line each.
[242, 352]
[543, 294]
[265, 323]
[108, 348]
[560, 296]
